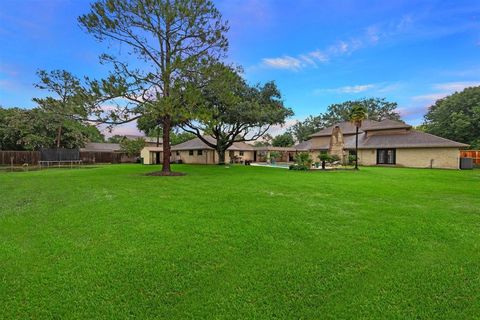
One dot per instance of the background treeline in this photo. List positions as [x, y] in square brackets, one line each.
[33, 129]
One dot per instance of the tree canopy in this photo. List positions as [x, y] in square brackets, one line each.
[456, 117]
[169, 39]
[32, 129]
[132, 147]
[303, 129]
[229, 110]
[283, 140]
[376, 109]
[67, 102]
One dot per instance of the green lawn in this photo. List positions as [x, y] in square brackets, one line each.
[240, 242]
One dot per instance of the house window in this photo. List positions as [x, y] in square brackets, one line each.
[178, 153]
[190, 152]
[241, 153]
[386, 156]
[199, 152]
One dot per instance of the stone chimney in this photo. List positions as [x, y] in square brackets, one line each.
[337, 143]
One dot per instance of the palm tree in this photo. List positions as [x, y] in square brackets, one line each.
[358, 113]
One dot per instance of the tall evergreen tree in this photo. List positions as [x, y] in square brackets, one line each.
[169, 39]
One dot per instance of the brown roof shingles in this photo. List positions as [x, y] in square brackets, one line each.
[197, 144]
[410, 139]
[385, 125]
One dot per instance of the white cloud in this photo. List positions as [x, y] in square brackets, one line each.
[279, 129]
[446, 89]
[348, 89]
[129, 128]
[297, 63]
[456, 86]
[414, 113]
[389, 87]
[430, 97]
[355, 89]
[285, 62]
[371, 36]
[319, 55]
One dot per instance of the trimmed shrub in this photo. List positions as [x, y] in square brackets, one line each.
[299, 167]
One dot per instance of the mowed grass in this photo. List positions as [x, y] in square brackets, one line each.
[239, 243]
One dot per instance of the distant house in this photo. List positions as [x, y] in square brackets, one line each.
[196, 151]
[152, 153]
[101, 147]
[388, 142]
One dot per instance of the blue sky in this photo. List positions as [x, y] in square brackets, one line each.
[318, 52]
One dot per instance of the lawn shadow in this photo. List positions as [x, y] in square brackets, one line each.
[165, 174]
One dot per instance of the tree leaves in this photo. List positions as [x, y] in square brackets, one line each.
[456, 117]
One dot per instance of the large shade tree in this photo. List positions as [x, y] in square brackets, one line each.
[456, 117]
[375, 109]
[168, 39]
[229, 110]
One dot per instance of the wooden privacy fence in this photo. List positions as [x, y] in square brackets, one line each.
[19, 157]
[33, 157]
[90, 157]
[474, 154]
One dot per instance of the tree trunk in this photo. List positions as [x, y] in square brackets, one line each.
[323, 165]
[356, 149]
[59, 136]
[167, 124]
[158, 136]
[221, 156]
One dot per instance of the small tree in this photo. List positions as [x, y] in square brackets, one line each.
[274, 156]
[324, 157]
[358, 113]
[132, 147]
[303, 161]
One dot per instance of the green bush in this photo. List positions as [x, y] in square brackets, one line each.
[299, 167]
[303, 159]
[351, 159]
[324, 156]
[274, 155]
[334, 158]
